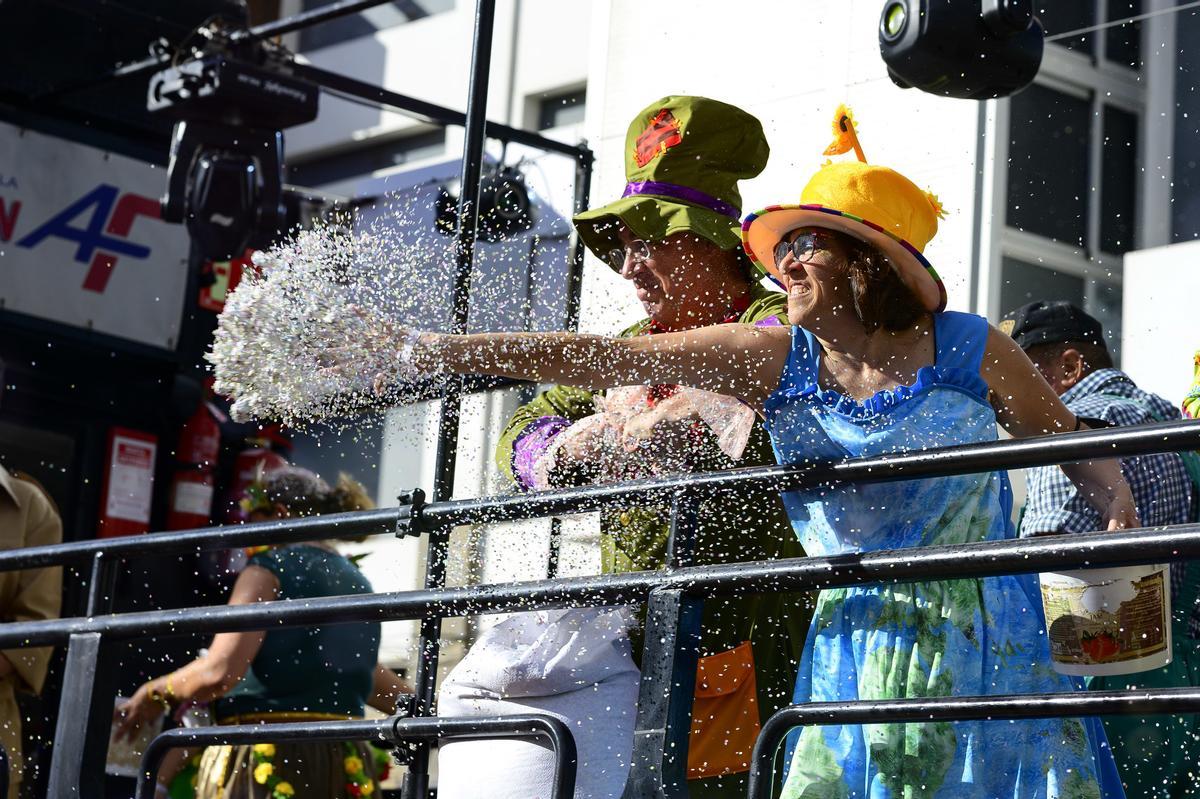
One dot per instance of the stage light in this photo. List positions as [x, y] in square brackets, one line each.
[225, 172]
[895, 17]
[951, 48]
[505, 210]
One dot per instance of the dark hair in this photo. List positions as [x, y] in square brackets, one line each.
[881, 298]
[304, 493]
[1095, 355]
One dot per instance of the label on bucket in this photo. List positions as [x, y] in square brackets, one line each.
[1113, 622]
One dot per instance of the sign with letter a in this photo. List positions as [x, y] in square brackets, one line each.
[81, 241]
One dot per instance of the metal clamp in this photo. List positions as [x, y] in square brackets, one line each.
[414, 523]
[404, 749]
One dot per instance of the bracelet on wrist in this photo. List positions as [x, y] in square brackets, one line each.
[161, 698]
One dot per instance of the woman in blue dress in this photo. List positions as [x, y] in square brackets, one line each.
[871, 364]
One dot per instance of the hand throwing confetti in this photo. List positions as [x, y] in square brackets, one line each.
[303, 308]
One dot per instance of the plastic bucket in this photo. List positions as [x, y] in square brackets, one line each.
[1108, 621]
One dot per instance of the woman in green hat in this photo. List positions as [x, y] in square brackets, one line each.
[872, 365]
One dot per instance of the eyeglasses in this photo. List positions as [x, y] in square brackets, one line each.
[802, 248]
[637, 249]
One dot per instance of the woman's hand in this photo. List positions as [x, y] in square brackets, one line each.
[382, 354]
[147, 704]
[1120, 513]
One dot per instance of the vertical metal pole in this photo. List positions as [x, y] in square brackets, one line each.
[85, 709]
[583, 190]
[416, 780]
[668, 683]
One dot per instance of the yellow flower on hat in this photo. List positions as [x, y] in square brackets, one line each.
[352, 765]
[368, 788]
[939, 210]
[285, 789]
[265, 750]
[844, 137]
[263, 772]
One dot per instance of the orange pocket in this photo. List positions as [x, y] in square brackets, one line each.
[724, 715]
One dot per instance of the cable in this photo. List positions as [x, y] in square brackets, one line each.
[1115, 23]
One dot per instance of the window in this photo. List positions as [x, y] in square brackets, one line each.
[354, 26]
[1185, 193]
[1060, 16]
[1119, 45]
[1118, 180]
[374, 157]
[1073, 171]
[1123, 43]
[1048, 164]
[1025, 282]
[557, 110]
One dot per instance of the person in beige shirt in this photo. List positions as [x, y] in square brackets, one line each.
[27, 518]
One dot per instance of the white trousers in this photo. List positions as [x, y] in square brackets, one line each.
[572, 664]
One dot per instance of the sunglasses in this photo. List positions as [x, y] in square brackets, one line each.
[803, 248]
[637, 249]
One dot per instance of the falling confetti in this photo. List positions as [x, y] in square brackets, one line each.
[307, 302]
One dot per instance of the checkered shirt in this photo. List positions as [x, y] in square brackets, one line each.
[1161, 487]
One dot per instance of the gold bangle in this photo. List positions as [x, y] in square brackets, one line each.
[156, 696]
[170, 690]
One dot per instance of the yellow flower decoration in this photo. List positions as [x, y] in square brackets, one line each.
[263, 772]
[938, 209]
[285, 789]
[352, 765]
[367, 788]
[845, 138]
[265, 750]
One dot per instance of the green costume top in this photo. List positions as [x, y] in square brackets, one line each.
[746, 526]
[309, 669]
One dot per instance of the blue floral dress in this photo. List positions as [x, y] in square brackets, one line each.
[960, 637]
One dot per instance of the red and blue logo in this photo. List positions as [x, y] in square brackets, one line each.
[106, 216]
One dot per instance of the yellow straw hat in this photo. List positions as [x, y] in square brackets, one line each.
[873, 203]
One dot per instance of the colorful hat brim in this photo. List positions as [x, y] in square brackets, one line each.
[653, 218]
[762, 230]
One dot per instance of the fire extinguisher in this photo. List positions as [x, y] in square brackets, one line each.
[193, 483]
[259, 455]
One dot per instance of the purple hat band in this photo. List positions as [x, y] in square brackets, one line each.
[685, 193]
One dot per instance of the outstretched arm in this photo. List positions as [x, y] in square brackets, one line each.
[740, 360]
[1027, 406]
[211, 675]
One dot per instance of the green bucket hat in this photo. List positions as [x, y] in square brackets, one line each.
[684, 157]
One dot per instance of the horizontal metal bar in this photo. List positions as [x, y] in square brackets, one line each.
[965, 459]
[305, 19]
[432, 112]
[962, 459]
[958, 708]
[960, 561]
[284, 531]
[393, 730]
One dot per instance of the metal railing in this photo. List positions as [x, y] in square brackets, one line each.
[958, 708]
[673, 595]
[397, 731]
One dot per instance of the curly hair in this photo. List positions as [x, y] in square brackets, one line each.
[304, 493]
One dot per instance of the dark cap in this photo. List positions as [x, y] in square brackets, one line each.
[1051, 322]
